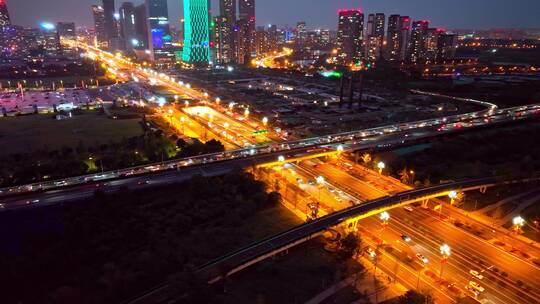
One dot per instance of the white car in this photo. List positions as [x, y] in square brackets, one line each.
[476, 274]
[408, 208]
[476, 286]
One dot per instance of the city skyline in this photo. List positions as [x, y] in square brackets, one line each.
[322, 15]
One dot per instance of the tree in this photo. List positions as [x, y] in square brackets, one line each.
[366, 158]
[404, 176]
[349, 246]
[415, 297]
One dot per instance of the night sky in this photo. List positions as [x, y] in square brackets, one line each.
[317, 13]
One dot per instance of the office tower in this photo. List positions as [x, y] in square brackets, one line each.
[159, 37]
[66, 33]
[4, 14]
[196, 31]
[350, 36]
[301, 32]
[397, 37]
[228, 9]
[375, 36]
[110, 23]
[325, 37]
[447, 46]
[417, 45]
[141, 26]
[246, 31]
[128, 26]
[49, 39]
[102, 40]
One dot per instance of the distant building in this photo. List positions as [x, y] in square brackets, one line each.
[12, 41]
[246, 31]
[375, 36]
[110, 24]
[141, 26]
[196, 32]
[66, 32]
[447, 46]
[417, 45]
[159, 37]
[350, 36]
[301, 32]
[102, 39]
[431, 46]
[224, 32]
[4, 14]
[49, 40]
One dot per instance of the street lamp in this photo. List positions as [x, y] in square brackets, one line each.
[218, 100]
[320, 180]
[246, 112]
[339, 149]
[445, 252]
[384, 216]
[381, 166]
[518, 222]
[452, 195]
[281, 158]
[265, 121]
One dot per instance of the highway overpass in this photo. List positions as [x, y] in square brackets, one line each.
[241, 259]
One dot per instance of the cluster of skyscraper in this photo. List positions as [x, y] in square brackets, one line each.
[17, 41]
[143, 29]
[235, 34]
[404, 42]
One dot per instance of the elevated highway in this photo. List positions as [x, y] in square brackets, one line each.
[243, 258]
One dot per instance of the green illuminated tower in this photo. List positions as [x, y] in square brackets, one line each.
[197, 42]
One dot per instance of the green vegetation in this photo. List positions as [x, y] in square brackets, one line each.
[112, 247]
[510, 151]
[294, 277]
[50, 149]
[42, 132]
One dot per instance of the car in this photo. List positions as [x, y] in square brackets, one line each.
[422, 258]
[371, 252]
[472, 291]
[408, 208]
[476, 274]
[145, 182]
[406, 238]
[476, 286]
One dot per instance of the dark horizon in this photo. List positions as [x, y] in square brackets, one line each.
[458, 14]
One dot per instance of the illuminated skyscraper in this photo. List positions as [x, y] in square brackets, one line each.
[224, 32]
[398, 37]
[4, 14]
[375, 36]
[350, 35]
[417, 45]
[102, 40]
[141, 26]
[196, 31]
[301, 32]
[49, 39]
[245, 31]
[159, 37]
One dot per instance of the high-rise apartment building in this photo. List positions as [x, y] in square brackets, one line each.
[141, 26]
[417, 45]
[350, 36]
[4, 14]
[197, 32]
[447, 46]
[397, 37]
[245, 31]
[225, 33]
[159, 37]
[49, 40]
[301, 32]
[375, 36]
